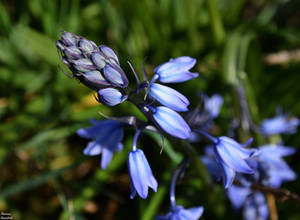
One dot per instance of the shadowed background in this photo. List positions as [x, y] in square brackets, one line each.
[43, 172]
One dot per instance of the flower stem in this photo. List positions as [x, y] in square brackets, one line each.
[177, 172]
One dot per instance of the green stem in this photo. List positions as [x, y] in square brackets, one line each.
[216, 22]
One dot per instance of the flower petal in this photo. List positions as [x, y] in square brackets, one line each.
[171, 122]
[92, 149]
[233, 157]
[169, 97]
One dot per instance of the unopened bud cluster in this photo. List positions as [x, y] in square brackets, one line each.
[97, 67]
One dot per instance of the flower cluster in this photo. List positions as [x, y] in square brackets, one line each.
[98, 68]
[271, 171]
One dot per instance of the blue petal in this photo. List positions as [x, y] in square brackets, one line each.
[228, 175]
[238, 195]
[171, 122]
[169, 97]
[140, 173]
[92, 149]
[234, 155]
[110, 96]
[176, 70]
[106, 157]
[279, 124]
[176, 65]
[100, 129]
[276, 151]
[213, 105]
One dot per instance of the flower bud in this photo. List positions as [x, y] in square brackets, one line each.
[110, 96]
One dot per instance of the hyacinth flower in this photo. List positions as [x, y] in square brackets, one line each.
[232, 157]
[271, 172]
[169, 97]
[176, 70]
[96, 67]
[273, 169]
[213, 104]
[141, 176]
[280, 124]
[110, 96]
[171, 122]
[252, 204]
[106, 139]
[178, 212]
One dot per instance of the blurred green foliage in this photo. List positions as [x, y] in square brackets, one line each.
[43, 172]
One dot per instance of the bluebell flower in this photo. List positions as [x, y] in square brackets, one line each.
[140, 173]
[256, 207]
[213, 105]
[110, 96]
[169, 97]
[107, 136]
[280, 124]
[252, 204]
[233, 158]
[273, 169]
[171, 122]
[176, 70]
[180, 213]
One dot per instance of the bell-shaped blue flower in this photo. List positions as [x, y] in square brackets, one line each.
[176, 70]
[213, 104]
[179, 213]
[280, 124]
[107, 136]
[274, 170]
[169, 97]
[171, 122]
[140, 173]
[252, 204]
[238, 195]
[110, 96]
[233, 157]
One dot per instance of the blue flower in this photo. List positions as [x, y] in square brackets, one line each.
[233, 158]
[169, 97]
[140, 173]
[176, 70]
[252, 204]
[171, 122]
[110, 96]
[213, 104]
[179, 213]
[273, 169]
[256, 207]
[238, 195]
[106, 135]
[280, 124]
